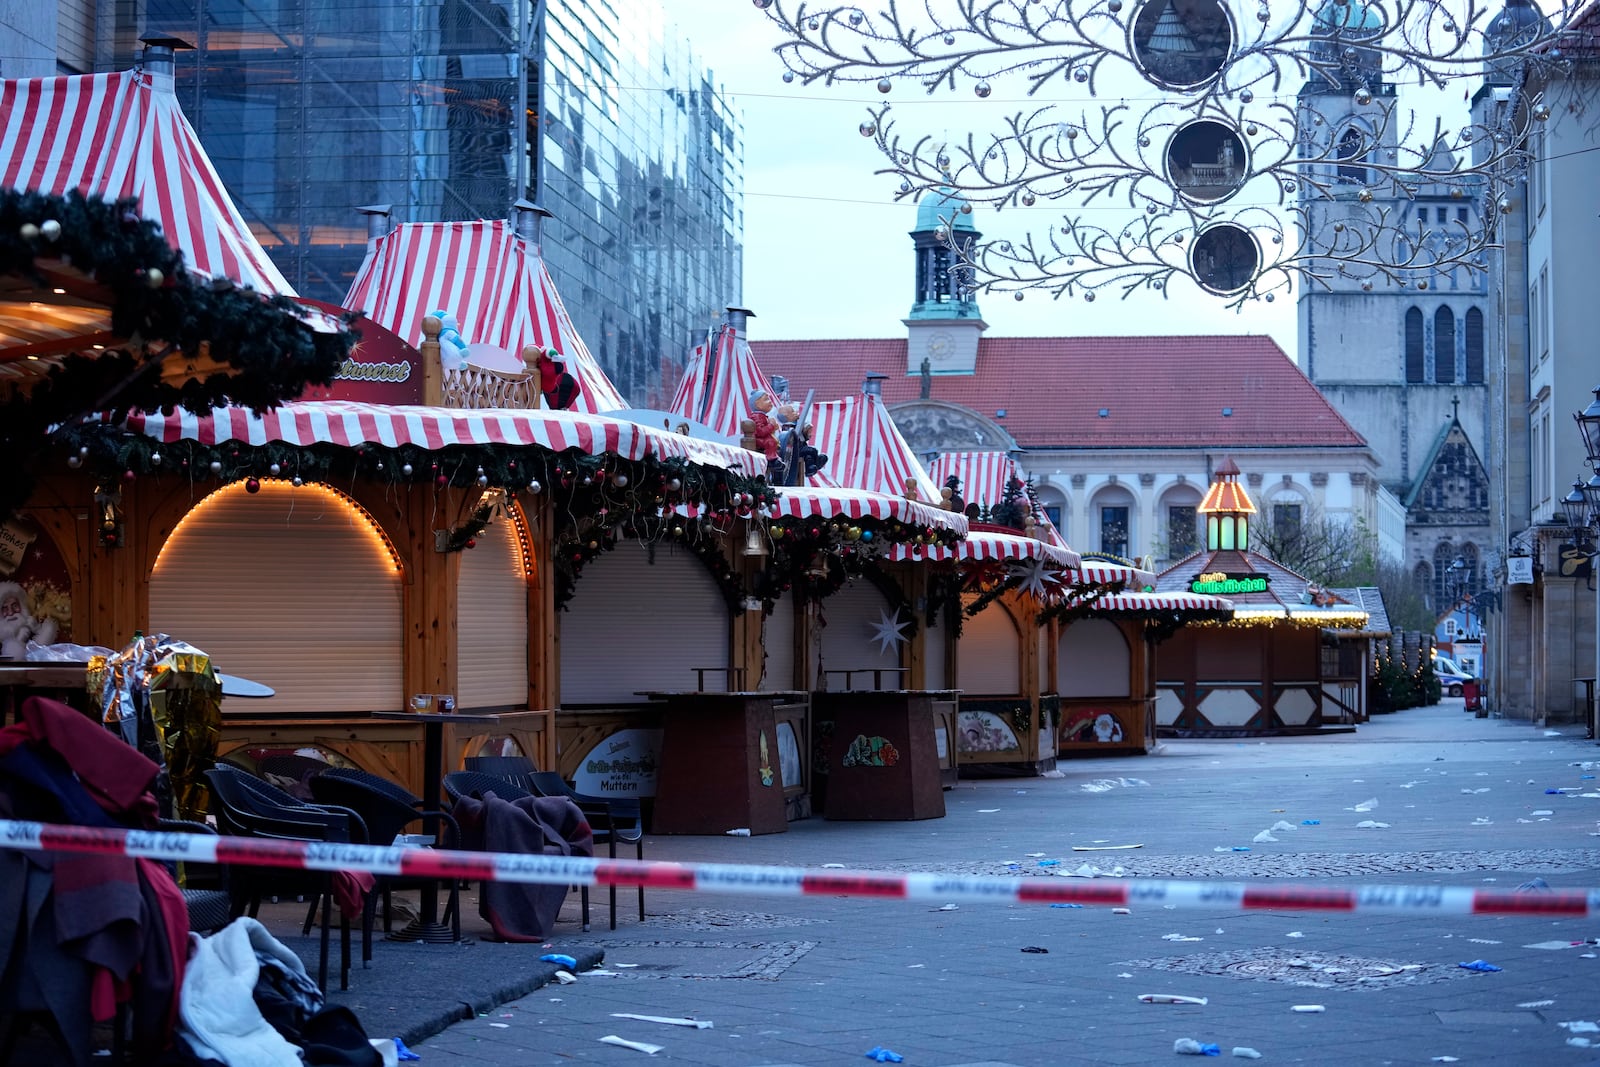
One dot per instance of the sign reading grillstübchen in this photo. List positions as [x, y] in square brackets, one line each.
[1217, 583]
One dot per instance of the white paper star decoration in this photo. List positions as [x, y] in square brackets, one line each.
[1035, 577]
[888, 631]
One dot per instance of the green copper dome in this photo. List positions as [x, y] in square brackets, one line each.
[945, 203]
[1353, 17]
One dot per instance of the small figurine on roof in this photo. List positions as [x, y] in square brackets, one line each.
[452, 346]
[951, 495]
[762, 429]
[560, 388]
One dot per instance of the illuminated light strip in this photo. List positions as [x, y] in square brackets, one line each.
[753, 880]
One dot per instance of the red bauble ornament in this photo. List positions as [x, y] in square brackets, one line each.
[128, 476]
[252, 485]
[441, 481]
[472, 542]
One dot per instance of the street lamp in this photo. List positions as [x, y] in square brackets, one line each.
[1575, 505]
[1583, 518]
[1589, 426]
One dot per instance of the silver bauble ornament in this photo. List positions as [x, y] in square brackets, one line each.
[51, 229]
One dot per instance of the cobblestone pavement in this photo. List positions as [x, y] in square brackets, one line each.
[1462, 802]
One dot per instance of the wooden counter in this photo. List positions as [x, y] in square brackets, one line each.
[882, 752]
[58, 681]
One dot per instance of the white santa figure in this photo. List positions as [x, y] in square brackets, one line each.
[17, 624]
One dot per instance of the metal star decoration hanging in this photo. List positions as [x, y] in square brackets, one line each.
[1035, 577]
[888, 631]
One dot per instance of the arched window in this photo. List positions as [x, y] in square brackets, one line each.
[1444, 554]
[1444, 346]
[1470, 576]
[1474, 346]
[1111, 521]
[1352, 147]
[1414, 354]
[1422, 579]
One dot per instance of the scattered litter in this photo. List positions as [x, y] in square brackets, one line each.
[914, 966]
[501, 1026]
[565, 977]
[1371, 824]
[1309, 1009]
[665, 1020]
[1124, 974]
[1550, 946]
[987, 811]
[1552, 733]
[1310, 822]
[1188, 1046]
[1294, 933]
[1235, 848]
[1103, 848]
[1536, 1004]
[1246, 1053]
[1481, 821]
[1479, 965]
[947, 907]
[1089, 870]
[1037, 855]
[1580, 1027]
[1219, 929]
[1054, 774]
[1066, 905]
[1036, 950]
[883, 1055]
[637, 1046]
[1106, 785]
[402, 1053]
[833, 866]
[743, 831]
[1122, 911]
[1541, 812]
[555, 957]
[1445, 1059]
[1485, 789]
[1586, 955]
[1552, 792]
[1281, 825]
[1171, 998]
[1050, 863]
[1580, 1042]
[599, 972]
[1482, 941]
[624, 966]
[1265, 835]
[1532, 884]
[1365, 805]
[1180, 937]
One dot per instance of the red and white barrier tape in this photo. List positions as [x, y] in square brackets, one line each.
[794, 881]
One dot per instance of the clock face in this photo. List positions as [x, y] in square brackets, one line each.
[939, 344]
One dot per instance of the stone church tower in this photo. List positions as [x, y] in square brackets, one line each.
[1404, 362]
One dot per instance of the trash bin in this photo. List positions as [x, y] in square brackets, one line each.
[1469, 691]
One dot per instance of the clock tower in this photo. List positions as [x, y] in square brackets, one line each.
[944, 325]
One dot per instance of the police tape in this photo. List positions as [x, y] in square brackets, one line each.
[752, 879]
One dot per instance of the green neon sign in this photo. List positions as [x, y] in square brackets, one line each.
[1219, 584]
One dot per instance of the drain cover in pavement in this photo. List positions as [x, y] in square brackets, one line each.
[704, 959]
[712, 919]
[1305, 969]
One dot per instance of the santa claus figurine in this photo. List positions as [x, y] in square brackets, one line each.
[560, 388]
[762, 426]
[17, 624]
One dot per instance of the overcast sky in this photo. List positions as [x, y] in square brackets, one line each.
[826, 249]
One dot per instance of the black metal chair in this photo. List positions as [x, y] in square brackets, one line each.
[205, 887]
[621, 820]
[387, 808]
[291, 773]
[248, 807]
[515, 769]
[458, 784]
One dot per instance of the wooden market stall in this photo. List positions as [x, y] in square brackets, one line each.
[1262, 671]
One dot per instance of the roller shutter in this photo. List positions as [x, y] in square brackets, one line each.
[1092, 660]
[989, 654]
[632, 625]
[492, 622]
[294, 588]
[777, 638]
[933, 654]
[853, 615]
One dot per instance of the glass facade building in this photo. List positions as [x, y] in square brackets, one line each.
[454, 109]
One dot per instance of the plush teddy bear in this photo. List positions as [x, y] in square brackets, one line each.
[452, 346]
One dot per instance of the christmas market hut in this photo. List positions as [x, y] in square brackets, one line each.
[1262, 671]
[1012, 566]
[355, 556]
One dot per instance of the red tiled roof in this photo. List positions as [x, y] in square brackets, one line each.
[1158, 392]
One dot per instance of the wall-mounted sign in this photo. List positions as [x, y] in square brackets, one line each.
[1519, 570]
[622, 765]
[381, 368]
[1217, 583]
[1575, 560]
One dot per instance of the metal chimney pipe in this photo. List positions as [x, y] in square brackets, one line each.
[527, 218]
[873, 385]
[739, 319]
[160, 59]
[378, 220]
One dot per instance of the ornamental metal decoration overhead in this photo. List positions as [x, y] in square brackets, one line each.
[1293, 102]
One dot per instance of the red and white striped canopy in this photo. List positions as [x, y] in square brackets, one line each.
[350, 424]
[123, 135]
[822, 502]
[983, 474]
[491, 279]
[1093, 571]
[717, 383]
[865, 449]
[1162, 603]
[983, 545]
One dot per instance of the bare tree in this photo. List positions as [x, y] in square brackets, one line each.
[1334, 552]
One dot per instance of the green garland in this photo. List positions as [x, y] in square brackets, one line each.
[271, 355]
